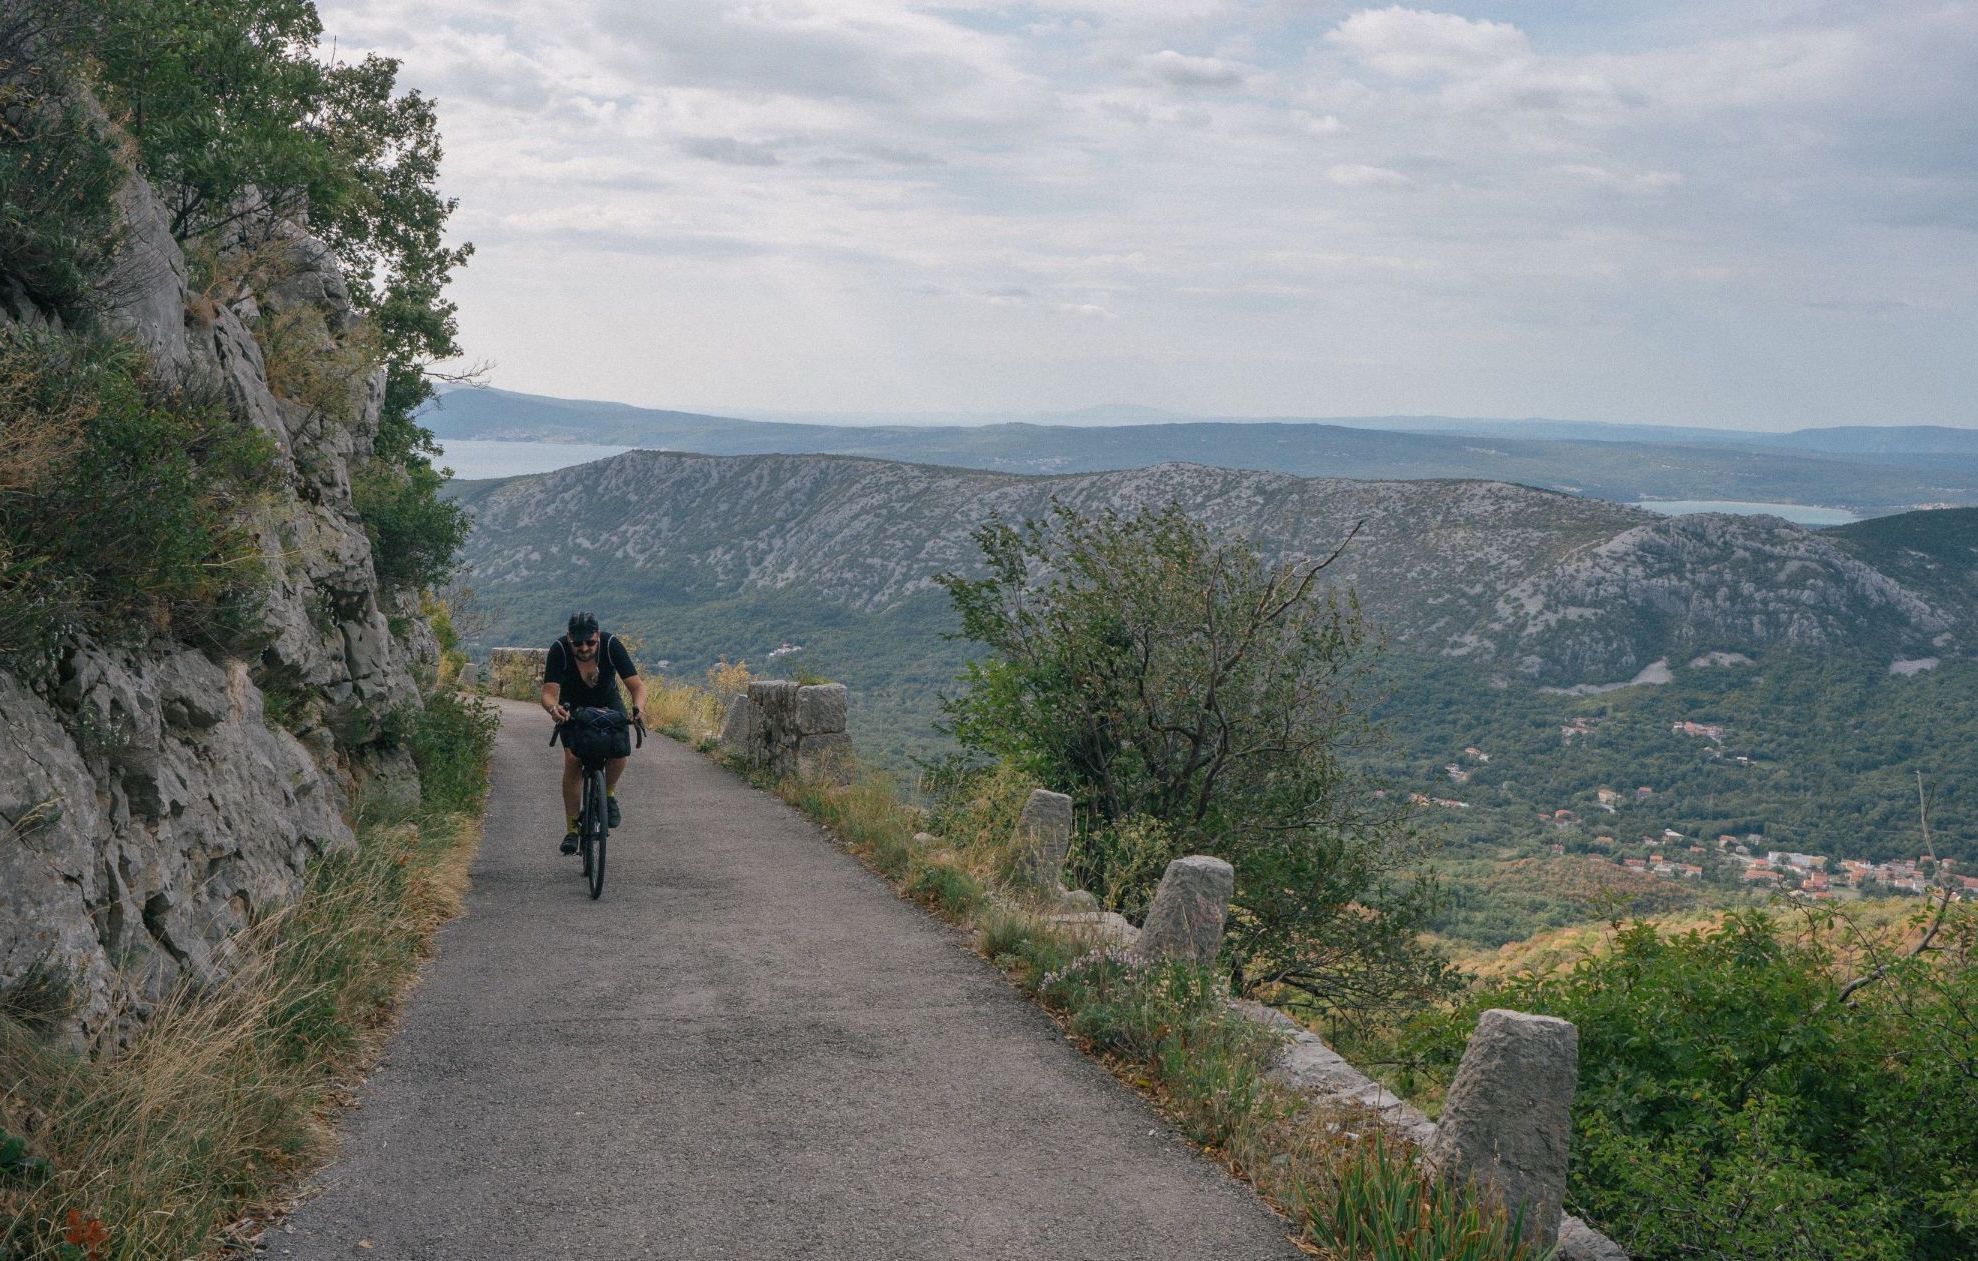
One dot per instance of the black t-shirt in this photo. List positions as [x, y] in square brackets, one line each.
[614, 663]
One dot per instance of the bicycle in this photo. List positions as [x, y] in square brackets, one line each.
[594, 817]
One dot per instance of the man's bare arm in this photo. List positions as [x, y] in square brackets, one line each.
[637, 687]
[551, 691]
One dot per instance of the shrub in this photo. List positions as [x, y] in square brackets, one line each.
[58, 179]
[1186, 692]
[415, 535]
[1735, 1100]
[451, 740]
[131, 525]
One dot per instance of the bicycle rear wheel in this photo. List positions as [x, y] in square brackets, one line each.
[597, 828]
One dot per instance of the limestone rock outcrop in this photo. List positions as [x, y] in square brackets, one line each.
[155, 799]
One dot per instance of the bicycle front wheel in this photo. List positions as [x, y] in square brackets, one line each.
[597, 828]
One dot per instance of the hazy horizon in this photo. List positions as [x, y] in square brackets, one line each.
[1112, 414]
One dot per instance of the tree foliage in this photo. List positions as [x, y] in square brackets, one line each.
[1186, 691]
[240, 126]
[1741, 1097]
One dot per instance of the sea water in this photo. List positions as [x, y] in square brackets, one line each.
[1801, 514]
[478, 457]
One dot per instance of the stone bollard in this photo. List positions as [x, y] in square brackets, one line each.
[1508, 1117]
[821, 709]
[738, 729]
[1186, 920]
[824, 749]
[1043, 838]
[773, 735]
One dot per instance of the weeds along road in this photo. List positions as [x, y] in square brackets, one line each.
[749, 1048]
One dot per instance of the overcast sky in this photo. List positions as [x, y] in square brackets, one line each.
[1756, 213]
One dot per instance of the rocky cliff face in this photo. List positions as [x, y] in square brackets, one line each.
[1529, 583]
[149, 807]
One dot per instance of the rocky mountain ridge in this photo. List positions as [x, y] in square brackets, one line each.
[1620, 464]
[151, 805]
[1537, 585]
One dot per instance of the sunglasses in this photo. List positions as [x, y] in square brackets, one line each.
[592, 642]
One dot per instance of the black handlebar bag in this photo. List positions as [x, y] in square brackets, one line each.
[598, 735]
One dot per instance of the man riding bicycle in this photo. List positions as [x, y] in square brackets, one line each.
[583, 671]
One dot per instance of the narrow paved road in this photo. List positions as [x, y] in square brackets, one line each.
[750, 1047]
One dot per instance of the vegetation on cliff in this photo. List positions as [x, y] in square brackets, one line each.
[229, 117]
[158, 1147]
[222, 267]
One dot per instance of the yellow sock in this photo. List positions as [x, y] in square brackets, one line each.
[573, 823]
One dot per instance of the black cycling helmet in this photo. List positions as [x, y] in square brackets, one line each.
[583, 625]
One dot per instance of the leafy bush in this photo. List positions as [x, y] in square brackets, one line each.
[1738, 1099]
[58, 180]
[1182, 689]
[415, 535]
[131, 526]
[451, 740]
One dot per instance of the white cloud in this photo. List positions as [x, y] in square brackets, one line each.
[1360, 175]
[1182, 70]
[1623, 181]
[1412, 43]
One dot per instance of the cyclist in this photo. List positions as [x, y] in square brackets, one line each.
[584, 669]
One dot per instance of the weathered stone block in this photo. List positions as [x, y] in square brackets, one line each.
[1043, 838]
[1507, 1119]
[774, 745]
[827, 757]
[1581, 1242]
[821, 709]
[1186, 920]
[738, 729]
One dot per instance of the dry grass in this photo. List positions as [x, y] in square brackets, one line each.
[226, 1092]
[1890, 923]
[693, 712]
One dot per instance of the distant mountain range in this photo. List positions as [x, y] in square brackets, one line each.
[1836, 664]
[1869, 471]
[1536, 585]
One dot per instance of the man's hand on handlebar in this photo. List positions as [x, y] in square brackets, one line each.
[557, 712]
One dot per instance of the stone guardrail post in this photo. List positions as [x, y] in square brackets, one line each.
[789, 729]
[1507, 1120]
[1043, 839]
[1186, 920]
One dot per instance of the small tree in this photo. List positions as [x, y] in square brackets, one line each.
[1162, 673]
